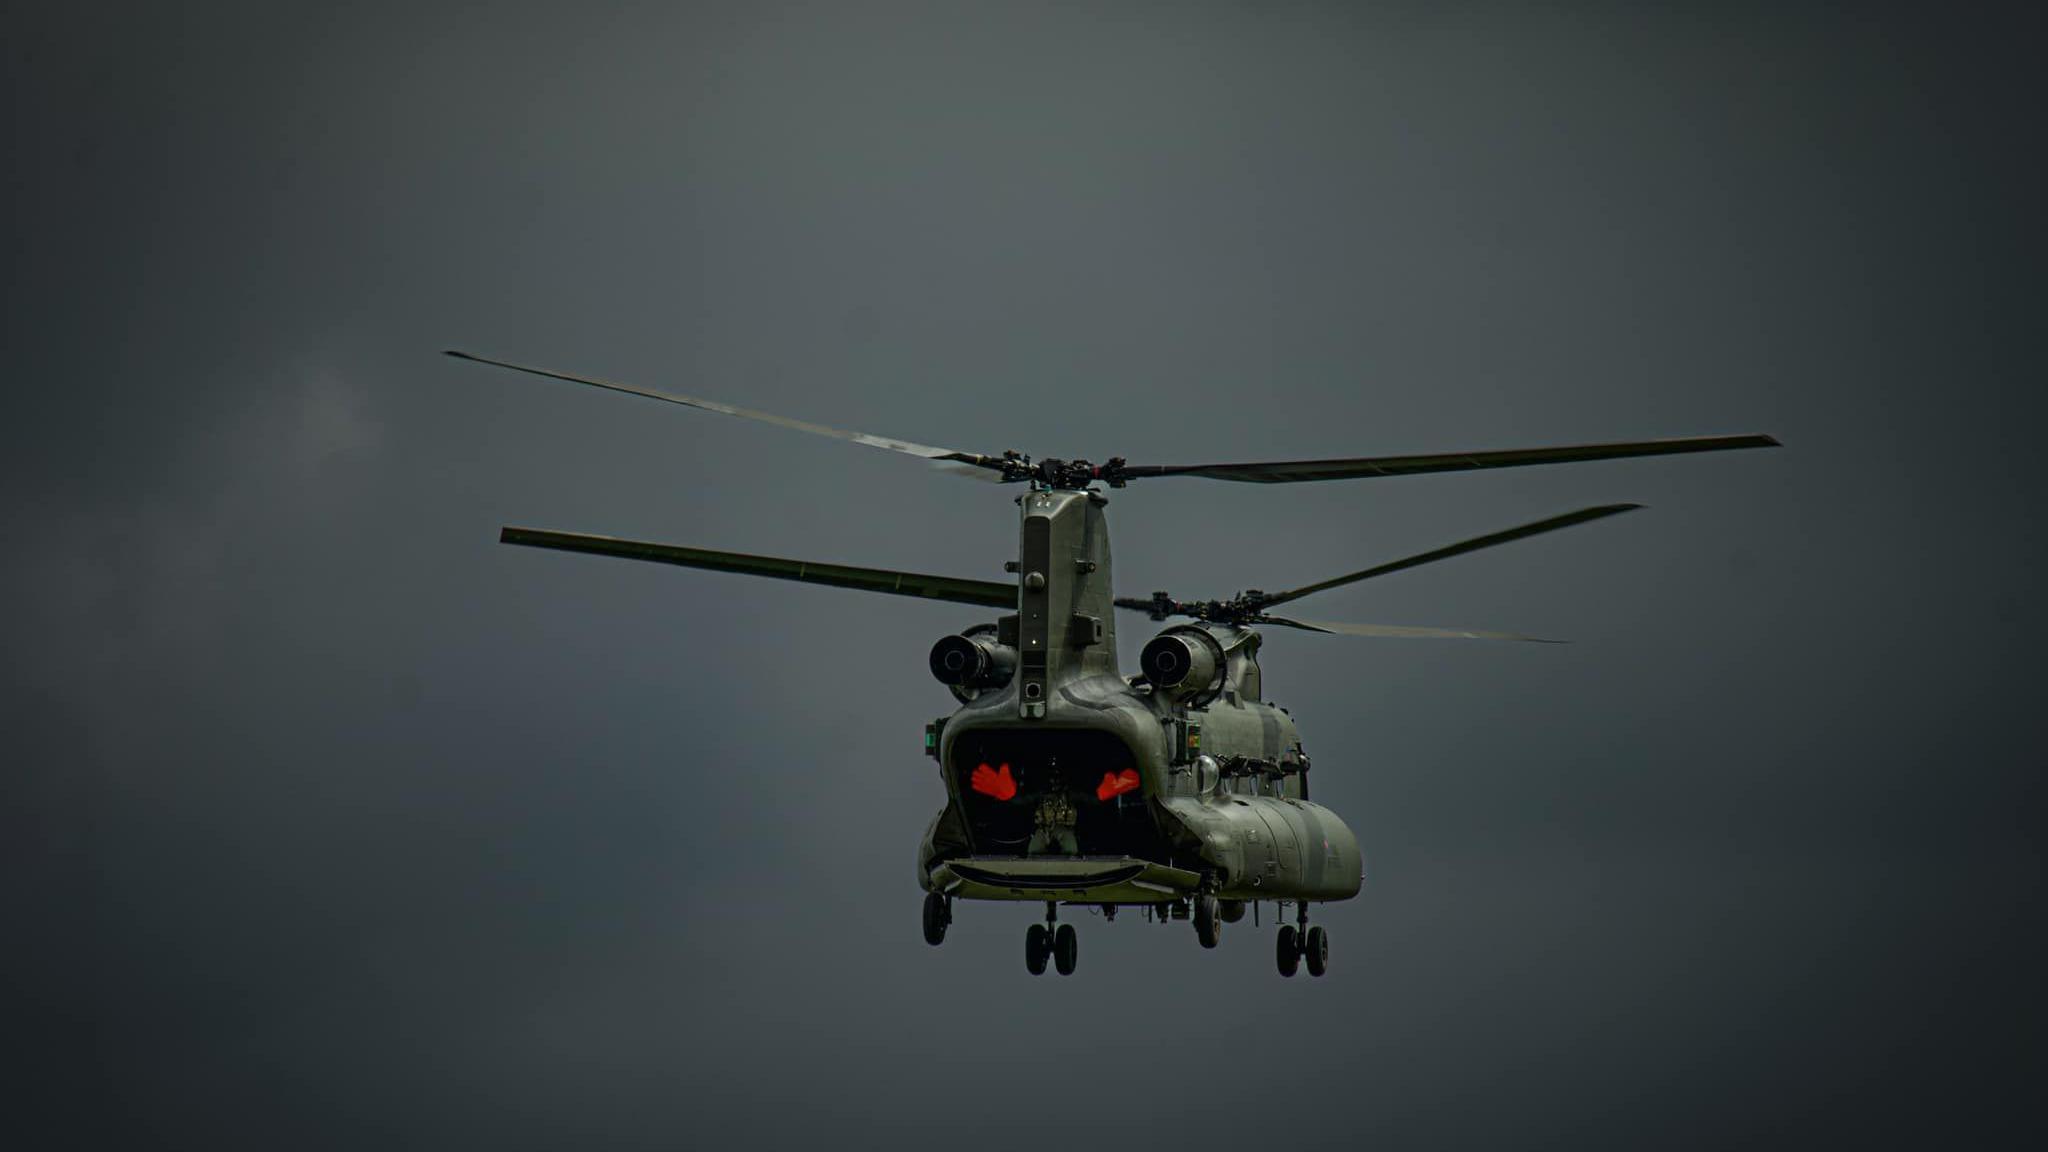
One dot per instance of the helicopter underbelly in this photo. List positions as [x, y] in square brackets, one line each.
[1259, 848]
[1078, 879]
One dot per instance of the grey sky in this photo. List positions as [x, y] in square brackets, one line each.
[340, 824]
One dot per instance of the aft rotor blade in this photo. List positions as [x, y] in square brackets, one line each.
[1399, 630]
[1297, 471]
[986, 593]
[1567, 520]
[906, 447]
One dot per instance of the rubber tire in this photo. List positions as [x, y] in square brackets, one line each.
[1208, 926]
[1288, 950]
[935, 919]
[1037, 946]
[1066, 949]
[1317, 949]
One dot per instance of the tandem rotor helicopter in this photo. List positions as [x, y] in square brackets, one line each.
[1178, 790]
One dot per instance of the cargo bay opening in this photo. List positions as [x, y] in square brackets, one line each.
[1053, 792]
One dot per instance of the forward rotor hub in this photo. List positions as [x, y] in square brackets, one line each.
[1247, 607]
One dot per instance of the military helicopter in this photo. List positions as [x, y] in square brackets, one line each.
[1177, 790]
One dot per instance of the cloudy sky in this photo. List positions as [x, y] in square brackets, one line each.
[335, 823]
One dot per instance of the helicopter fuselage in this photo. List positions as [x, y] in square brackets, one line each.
[1067, 781]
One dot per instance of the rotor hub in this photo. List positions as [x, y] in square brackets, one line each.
[1055, 473]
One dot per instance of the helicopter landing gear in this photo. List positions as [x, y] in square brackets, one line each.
[1288, 951]
[1208, 925]
[938, 912]
[1302, 943]
[1051, 940]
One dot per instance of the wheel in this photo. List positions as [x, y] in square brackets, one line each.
[1288, 950]
[1066, 949]
[1208, 929]
[936, 916]
[1318, 950]
[1037, 945]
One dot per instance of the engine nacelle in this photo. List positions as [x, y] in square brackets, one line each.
[973, 662]
[1185, 662]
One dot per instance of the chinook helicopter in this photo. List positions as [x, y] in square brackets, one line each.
[1177, 790]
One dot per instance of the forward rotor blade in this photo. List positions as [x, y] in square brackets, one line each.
[1567, 520]
[1297, 471]
[1399, 630]
[986, 593]
[906, 447]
